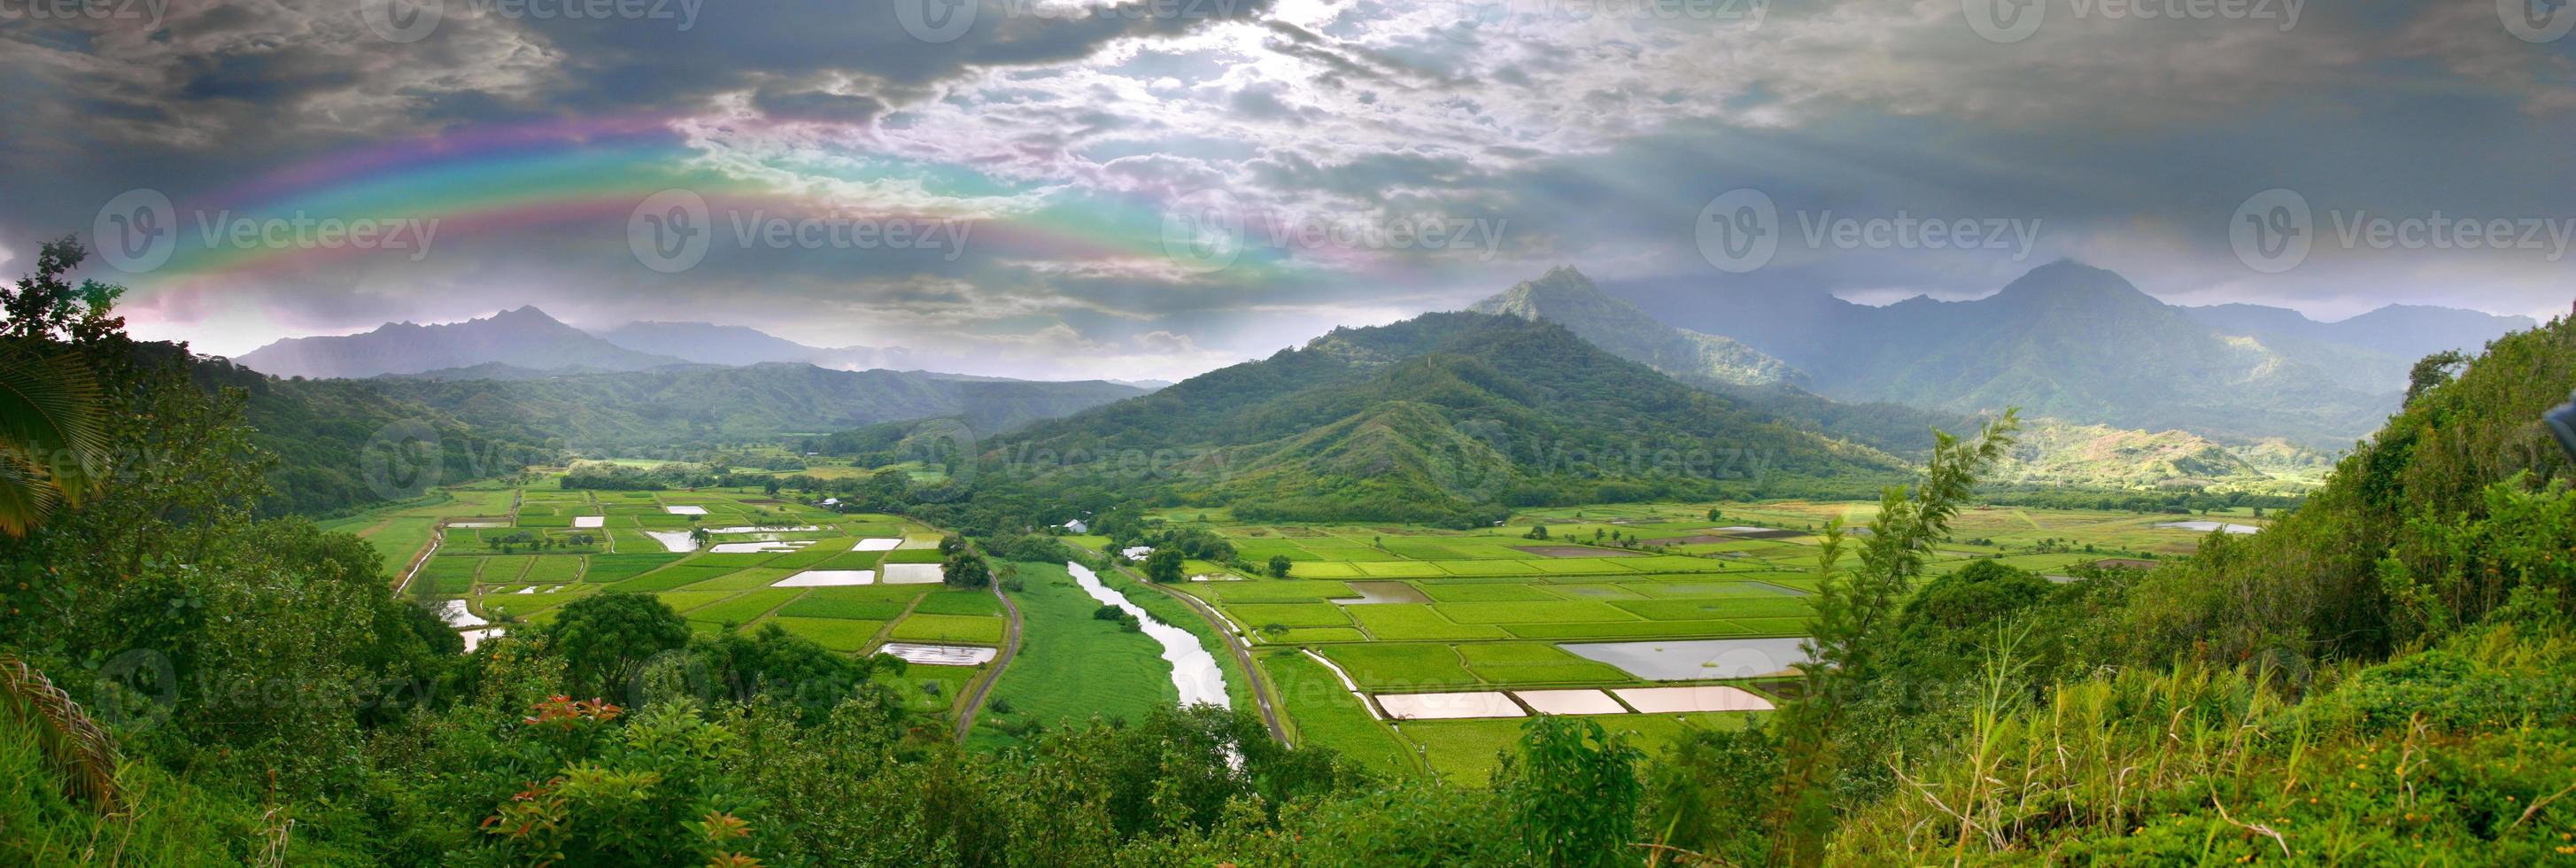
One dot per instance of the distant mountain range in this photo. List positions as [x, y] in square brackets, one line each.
[524, 338]
[2052, 452]
[516, 344]
[2405, 331]
[2083, 345]
[741, 345]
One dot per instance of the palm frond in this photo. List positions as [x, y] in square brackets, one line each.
[71, 739]
[53, 434]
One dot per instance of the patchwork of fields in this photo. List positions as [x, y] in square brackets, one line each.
[1410, 649]
[517, 567]
[1375, 623]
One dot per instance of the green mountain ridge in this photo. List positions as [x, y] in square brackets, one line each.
[1447, 418]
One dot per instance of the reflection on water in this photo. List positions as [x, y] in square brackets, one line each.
[1696, 659]
[1194, 670]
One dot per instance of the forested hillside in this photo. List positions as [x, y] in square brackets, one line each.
[1446, 418]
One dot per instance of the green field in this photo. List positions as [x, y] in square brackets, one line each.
[1486, 608]
[1399, 609]
[1073, 666]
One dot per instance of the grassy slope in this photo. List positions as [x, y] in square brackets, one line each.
[2457, 749]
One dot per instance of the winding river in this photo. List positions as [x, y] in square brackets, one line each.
[1194, 670]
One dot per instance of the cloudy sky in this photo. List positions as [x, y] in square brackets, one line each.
[1071, 188]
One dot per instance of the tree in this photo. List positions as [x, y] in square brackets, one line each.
[1712, 513]
[1574, 789]
[769, 486]
[1537, 531]
[53, 435]
[966, 569]
[1164, 565]
[1852, 634]
[699, 537]
[605, 639]
[1279, 565]
[2431, 371]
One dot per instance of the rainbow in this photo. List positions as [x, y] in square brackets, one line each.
[494, 181]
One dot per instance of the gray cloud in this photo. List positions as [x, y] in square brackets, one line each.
[1593, 140]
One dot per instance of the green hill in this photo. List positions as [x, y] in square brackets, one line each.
[1446, 418]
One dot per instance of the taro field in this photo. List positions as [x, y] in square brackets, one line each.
[1425, 650]
[850, 582]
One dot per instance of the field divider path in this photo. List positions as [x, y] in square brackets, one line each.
[984, 684]
[1242, 653]
[437, 536]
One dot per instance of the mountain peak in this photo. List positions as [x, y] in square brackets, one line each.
[2067, 281]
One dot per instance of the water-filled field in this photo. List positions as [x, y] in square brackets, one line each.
[1425, 647]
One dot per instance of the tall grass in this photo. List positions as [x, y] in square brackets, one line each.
[2203, 764]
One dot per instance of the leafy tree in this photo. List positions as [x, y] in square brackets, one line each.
[654, 793]
[1852, 635]
[1279, 566]
[1712, 513]
[1948, 626]
[1574, 790]
[1164, 566]
[2433, 370]
[606, 639]
[966, 568]
[700, 537]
